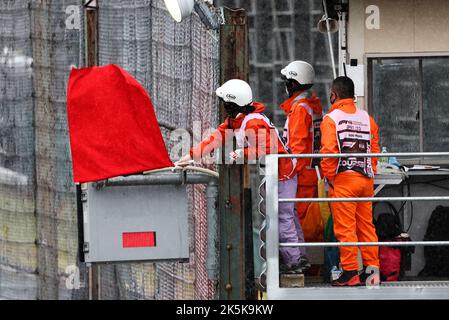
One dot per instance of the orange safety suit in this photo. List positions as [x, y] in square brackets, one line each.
[345, 129]
[302, 134]
[261, 128]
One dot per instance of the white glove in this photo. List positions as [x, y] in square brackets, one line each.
[234, 155]
[184, 161]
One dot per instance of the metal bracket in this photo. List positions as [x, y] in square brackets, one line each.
[184, 177]
[221, 16]
[83, 196]
[100, 184]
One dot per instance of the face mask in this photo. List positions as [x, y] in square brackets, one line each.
[289, 88]
[292, 87]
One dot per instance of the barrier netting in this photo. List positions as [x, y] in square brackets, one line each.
[178, 65]
[39, 42]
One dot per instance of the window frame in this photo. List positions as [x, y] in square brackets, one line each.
[369, 58]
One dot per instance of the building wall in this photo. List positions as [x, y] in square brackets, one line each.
[407, 28]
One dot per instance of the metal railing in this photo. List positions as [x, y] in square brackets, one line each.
[270, 231]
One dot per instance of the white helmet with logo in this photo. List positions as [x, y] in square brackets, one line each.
[236, 91]
[300, 71]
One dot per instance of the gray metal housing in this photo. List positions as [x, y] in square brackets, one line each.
[142, 203]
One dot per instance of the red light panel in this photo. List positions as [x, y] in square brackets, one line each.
[139, 239]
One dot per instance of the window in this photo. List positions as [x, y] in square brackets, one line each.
[409, 99]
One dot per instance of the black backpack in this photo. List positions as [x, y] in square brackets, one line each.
[437, 257]
[388, 225]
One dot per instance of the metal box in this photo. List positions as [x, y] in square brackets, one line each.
[135, 223]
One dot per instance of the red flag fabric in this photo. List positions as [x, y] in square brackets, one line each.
[112, 125]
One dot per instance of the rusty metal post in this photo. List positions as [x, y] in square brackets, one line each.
[91, 31]
[236, 249]
[91, 48]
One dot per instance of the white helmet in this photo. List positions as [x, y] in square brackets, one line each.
[236, 91]
[300, 71]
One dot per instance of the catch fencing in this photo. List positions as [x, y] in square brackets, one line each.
[40, 40]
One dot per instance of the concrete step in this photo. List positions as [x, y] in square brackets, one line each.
[291, 281]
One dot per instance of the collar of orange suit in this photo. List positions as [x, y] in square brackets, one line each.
[237, 122]
[340, 104]
[287, 104]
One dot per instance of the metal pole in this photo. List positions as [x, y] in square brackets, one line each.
[91, 30]
[157, 179]
[366, 199]
[366, 155]
[329, 39]
[270, 268]
[235, 259]
[339, 58]
[366, 244]
[91, 46]
[213, 240]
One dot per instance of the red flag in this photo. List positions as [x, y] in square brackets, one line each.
[112, 124]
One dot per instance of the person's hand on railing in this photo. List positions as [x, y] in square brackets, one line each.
[235, 155]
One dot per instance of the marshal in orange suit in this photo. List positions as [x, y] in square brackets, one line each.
[346, 129]
[302, 128]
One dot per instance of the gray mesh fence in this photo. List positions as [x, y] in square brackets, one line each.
[18, 252]
[177, 64]
[55, 49]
